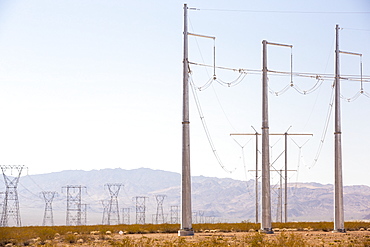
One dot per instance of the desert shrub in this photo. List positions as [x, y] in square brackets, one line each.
[46, 233]
[70, 238]
[255, 240]
[287, 240]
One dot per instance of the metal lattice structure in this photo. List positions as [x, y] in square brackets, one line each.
[126, 216]
[74, 206]
[201, 217]
[84, 214]
[174, 214]
[11, 203]
[113, 209]
[105, 204]
[48, 213]
[159, 216]
[140, 209]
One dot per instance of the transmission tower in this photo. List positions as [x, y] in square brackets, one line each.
[174, 214]
[126, 216]
[140, 209]
[113, 210]
[201, 217]
[195, 217]
[105, 204]
[11, 203]
[48, 214]
[84, 214]
[74, 206]
[159, 216]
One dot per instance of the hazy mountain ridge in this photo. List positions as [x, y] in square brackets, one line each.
[220, 198]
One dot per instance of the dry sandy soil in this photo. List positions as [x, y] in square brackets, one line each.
[308, 238]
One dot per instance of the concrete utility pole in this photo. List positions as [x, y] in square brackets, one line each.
[286, 171]
[266, 190]
[256, 134]
[186, 223]
[338, 175]
[338, 180]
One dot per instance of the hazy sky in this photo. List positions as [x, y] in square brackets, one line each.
[97, 84]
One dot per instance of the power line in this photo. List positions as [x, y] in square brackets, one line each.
[366, 78]
[215, 153]
[325, 130]
[284, 11]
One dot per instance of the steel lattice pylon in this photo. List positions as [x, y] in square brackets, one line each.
[126, 216]
[113, 209]
[48, 214]
[174, 214]
[74, 206]
[11, 203]
[84, 214]
[140, 209]
[105, 204]
[159, 217]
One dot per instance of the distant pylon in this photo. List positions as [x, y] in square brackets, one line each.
[126, 216]
[140, 209]
[159, 216]
[48, 214]
[174, 214]
[113, 209]
[195, 217]
[74, 206]
[105, 204]
[201, 217]
[11, 203]
[84, 214]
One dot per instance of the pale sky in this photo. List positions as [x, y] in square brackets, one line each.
[97, 84]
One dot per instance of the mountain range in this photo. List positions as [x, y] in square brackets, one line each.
[213, 199]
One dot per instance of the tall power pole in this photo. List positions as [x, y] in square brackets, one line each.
[256, 170]
[84, 214]
[105, 204]
[174, 214]
[159, 216]
[338, 175]
[48, 214]
[186, 223]
[266, 190]
[140, 209]
[113, 209]
[74, 206]
[338, 180]
[126, 216]
[11, 203]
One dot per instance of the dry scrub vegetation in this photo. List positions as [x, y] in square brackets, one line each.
[223, 234]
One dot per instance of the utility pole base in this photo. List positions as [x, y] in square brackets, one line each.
[339, 231]
[185, 232]
[266, 231]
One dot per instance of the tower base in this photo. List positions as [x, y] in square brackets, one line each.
[185, 232]
[266, 230]
[339, 231]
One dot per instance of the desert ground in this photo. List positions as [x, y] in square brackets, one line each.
[207, 238]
